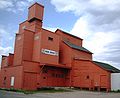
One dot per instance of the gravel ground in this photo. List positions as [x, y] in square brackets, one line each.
[75, 94]
[80, 94]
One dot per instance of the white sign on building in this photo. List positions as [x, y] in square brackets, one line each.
[49, 52]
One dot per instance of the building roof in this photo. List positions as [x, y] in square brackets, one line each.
[107, 67]
[76, 47]
[69, 34]
[35, 4]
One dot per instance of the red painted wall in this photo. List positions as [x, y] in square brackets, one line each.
[28, 45]
[31, 69]
[23, 47]
[64, 36]
[16, 72]
[87, 74]
[53, 45]
[65, 54]
[52, 76]
[81, 55]
[10, 59]
[43, 76]
[18, 49]
[4, 61]
[30, 81]
[22, 26]
[36, 11]
[36, 50]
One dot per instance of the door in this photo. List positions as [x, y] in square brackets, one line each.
[103, 81]
[30, 81]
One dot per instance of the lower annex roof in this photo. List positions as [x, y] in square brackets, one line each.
[76, 47]
[107, 67]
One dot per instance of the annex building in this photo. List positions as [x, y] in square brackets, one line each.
[43, 58]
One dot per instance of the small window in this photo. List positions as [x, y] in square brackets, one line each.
[4, 78]
[87, 77]
[44, 77]
[50, 38]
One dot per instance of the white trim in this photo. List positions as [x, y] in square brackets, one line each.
[12, 81]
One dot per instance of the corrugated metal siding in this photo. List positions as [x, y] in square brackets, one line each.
[115, 81]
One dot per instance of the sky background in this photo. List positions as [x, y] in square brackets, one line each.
[95, 21]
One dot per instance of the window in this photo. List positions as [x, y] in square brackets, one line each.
[44, 77]
[87, 77]
[50, 38]
[4, 78]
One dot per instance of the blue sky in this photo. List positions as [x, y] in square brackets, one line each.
[96, 21]
[10, 19]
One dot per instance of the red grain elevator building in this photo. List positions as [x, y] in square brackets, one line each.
[43, 58]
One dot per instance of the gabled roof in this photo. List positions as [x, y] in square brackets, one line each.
[107, 67]
[69, 34]
[76, 47]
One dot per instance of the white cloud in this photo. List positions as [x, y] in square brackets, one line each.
[94, 41]
[5, 40]
[5, 35]
[5, 50]
[98, 25]
[81, 6]
[50, 28]
[5, 4]
[15, 5]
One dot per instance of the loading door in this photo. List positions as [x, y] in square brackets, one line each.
[103, 81]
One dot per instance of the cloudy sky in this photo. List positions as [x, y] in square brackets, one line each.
[96, 21]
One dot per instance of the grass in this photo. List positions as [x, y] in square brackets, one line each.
[115, 91]
[45, 90]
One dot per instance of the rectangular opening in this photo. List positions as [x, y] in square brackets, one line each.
[50, 38]
[12, 81]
